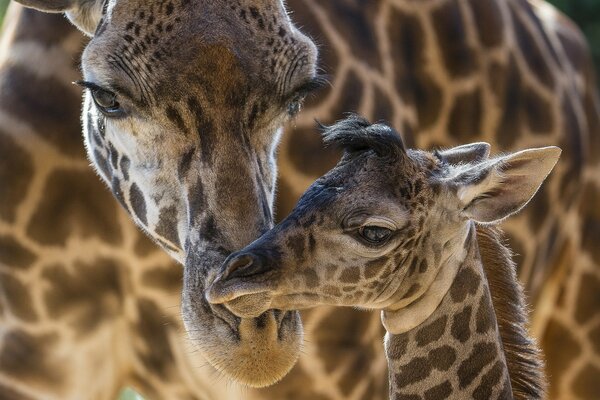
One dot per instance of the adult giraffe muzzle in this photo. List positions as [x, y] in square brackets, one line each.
[182, 112]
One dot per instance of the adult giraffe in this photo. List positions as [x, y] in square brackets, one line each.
[491, 47]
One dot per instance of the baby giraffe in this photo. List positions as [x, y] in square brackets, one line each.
[410, 233]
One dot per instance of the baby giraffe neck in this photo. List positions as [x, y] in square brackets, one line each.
[457, 351]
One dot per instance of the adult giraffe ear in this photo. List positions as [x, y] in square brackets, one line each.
[495, 189]
[84, 14]
[466, 154]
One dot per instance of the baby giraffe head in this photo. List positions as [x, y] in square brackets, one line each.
[377, 230]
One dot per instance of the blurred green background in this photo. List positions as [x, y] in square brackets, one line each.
[586, 13]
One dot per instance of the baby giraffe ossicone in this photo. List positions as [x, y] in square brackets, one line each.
[410, 233]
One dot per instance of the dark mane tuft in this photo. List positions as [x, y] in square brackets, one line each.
[523, 358]
[356, 134]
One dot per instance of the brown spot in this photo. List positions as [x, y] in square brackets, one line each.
[17, 298]
[384, 110]
[55, 104]
[461, 329]
[538, 112]
[15, 255]
[7, 393]
[459, 58]
[335, 349]
[74, 202]
[481, 355]
[531, 52]
[397, 346]
[306, 152]
[350, 96]
[403, 396]
[167, 225]
[138, 203]
[350, 275]
[587, 385]
[44, 28]
[416, 370]
[16, 172]
[573, 153]
[466, 283]
[442, 358]
[488, 20]
[412, 82]
[431, 332]
[153, 346]
[559, 357]
[86, 295]
[484, 318]
[588, 298]
[28, 358]
[591, 222]
[355, 22]
[465, 118]
[538, 208]
[594, 336]
[441, 391]
[508, 86]
[484, 390]
[168, 278]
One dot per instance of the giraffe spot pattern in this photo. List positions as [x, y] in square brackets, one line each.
[484, 390]
[167, 225]
[13, 254]
[591, 224]
[481, 355]
[489, 23]
[153, 328]
[350, 275]
[586, 384]
[17, 298]
[441, 391]
[27, 357]
[411, 79]
[464, 123]
[451, 38]
[74, 201]
[22, 91]
[138, 203]
[461, 329]
[588, 298]
[14, 186]
[86, 295]
[431, 332]
[465, 283]
[484, 319]
[559, 358]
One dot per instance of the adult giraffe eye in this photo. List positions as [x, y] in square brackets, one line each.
[105, 100]
[375, 234]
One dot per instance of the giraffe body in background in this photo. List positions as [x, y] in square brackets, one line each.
[413, 86]
[393, 229]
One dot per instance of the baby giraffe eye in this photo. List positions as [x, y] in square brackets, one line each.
[375, 234]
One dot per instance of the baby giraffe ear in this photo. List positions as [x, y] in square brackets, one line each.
[466, 154]
[495, 189]
[84, 14]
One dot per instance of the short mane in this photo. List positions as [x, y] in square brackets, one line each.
[525, 365]
[356, 134]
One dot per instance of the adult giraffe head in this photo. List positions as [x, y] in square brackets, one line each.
[181, 118]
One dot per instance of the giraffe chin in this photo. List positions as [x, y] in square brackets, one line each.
[256, 351]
